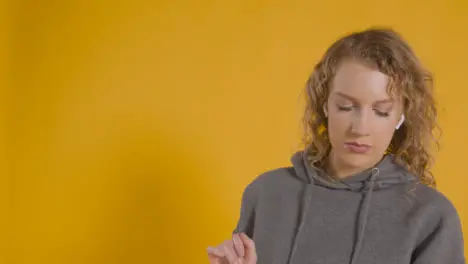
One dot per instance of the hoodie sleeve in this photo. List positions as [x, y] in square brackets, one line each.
[247, 212]
[444, 244]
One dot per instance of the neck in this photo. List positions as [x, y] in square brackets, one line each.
[338, 169]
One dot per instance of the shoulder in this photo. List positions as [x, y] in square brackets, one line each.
[435, 203]
[271, 180]
[438, 226]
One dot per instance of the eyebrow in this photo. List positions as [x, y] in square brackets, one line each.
[349, 97]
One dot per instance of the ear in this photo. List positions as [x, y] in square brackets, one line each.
[325, 111]
[402, 119]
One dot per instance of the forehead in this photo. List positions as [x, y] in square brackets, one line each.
[360, 81]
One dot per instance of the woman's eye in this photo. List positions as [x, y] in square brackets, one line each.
[345, 108]
[382, 114]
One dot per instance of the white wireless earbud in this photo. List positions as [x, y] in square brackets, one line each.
[325, 111]
[402, 119]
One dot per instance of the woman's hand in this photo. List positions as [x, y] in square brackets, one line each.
[239, 250]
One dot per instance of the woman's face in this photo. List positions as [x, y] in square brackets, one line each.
[362, 117]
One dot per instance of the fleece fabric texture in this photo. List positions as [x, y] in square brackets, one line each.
[297, 215]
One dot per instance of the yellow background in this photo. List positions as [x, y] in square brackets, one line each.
[132, 127]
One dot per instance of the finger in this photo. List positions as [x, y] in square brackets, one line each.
[230, 253]
[215, 255]
[250, 251]
[238, 245]
[214, 259]
[215, 251]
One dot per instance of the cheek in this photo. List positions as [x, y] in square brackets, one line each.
[338, 125]
[382, 135]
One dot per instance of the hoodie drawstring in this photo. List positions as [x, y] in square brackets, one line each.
[363, 216]
[385, 174]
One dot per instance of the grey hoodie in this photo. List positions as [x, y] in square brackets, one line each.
[383, 215]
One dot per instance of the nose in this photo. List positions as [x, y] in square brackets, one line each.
[359, 124]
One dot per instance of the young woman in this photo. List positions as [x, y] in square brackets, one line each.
[361, 191]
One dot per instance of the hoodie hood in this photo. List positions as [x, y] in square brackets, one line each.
[389, 174]
[385, 174]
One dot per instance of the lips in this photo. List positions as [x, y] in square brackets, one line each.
[357, 148]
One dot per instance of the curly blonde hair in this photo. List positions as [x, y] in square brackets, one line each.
[386, 51]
